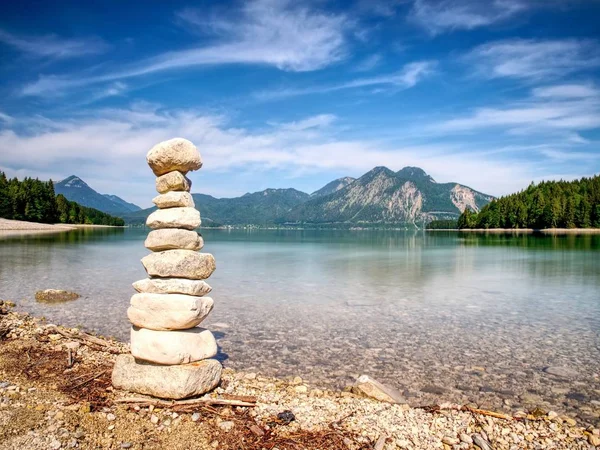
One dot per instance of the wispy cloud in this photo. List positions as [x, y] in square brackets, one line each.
[53, 46]
[535, 59]
[5, 117]
[568, 108]
[264, 32]
[369, 63]
[409, 76]
[439, 16]
[567, 91]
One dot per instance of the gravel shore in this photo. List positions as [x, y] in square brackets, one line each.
[55, 392]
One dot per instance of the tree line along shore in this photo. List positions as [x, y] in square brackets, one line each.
[32, 200]
[552, 206]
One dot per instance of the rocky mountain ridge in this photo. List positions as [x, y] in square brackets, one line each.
[76, 190]
[409, 197]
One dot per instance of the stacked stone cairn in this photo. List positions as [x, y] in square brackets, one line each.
[171, 355]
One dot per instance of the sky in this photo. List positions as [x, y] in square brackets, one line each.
[493, 94]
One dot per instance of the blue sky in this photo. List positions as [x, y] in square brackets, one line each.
[489, 93]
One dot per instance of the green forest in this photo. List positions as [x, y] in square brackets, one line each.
[33, 200]
[549, 204]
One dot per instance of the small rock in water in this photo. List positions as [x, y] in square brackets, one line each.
[55, 295]
[432, 389]
[562, 372]
[368, 387]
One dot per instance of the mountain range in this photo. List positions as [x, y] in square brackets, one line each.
[76, 190]
[381, 197]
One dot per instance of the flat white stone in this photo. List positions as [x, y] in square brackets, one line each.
[174, 199]
[172, 286]
[168, 311]
[179, 264]
[173, 181]
[172, 239]
[174, 154]
[172, 347]
[187, 218]
[173, 382]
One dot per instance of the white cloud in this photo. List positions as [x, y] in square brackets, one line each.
[553, 108]
[276, 33]
[5, 117]
[319, 121]
[409, 76]
[439, 16]
[567, 91]
[534, 59]
[52, 46]
[113, 143]
[369, 63]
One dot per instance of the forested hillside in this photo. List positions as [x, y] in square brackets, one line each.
[550, 204]
[35, 201]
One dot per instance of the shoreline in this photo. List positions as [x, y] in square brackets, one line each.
[49, 404]
[553, 231]
[9, 227]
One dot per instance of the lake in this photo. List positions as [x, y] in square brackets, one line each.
[502, 321]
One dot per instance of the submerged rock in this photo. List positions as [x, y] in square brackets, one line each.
[172, 347]
[175, 154]
[55, 295]
[168, 311]
[562, 372]
[179, 264]
[368, 387]
[173, 382]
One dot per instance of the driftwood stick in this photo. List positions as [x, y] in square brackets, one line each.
[191, 402]
[88, 380]
[86, 338]
[455, 407]
[70, 359]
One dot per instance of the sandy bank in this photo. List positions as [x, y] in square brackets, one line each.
[20, 227]
[9, 228]
[55, 392]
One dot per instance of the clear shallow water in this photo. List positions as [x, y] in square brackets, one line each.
[441, 316]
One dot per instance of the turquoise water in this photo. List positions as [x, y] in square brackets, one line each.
[441, 315]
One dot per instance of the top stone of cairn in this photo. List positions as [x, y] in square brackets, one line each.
[175, 154]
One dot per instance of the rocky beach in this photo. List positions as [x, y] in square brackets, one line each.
[55, 392]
